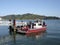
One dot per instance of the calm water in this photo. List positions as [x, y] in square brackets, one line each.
[50, 37]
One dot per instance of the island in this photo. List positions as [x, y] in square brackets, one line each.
[28, 16]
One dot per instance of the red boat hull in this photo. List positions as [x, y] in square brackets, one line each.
[36, 31]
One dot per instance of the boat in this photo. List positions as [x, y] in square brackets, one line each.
[37, 26]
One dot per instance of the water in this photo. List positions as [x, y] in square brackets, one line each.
[50, 37]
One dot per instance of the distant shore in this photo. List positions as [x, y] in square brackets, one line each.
[29, 16]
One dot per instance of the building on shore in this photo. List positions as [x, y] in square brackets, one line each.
[0, 18]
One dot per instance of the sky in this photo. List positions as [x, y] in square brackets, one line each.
[41, 7]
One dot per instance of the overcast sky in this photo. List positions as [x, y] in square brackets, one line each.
[43, 7]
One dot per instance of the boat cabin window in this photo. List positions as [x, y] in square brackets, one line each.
[34, 24]
[39, 24]
[36, 21]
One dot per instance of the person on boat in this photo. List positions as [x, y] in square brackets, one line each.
[29, 24]
[44, 23]
[32, 25]
[25, 28]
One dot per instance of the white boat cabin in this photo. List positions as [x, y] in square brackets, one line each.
[38, 24]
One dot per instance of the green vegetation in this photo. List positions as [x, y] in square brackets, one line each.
[28, 16]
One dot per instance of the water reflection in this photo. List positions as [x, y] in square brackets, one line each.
[21, 37]
[38, 36]
[41, 35]
[14, 38]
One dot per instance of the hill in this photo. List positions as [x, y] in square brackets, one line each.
[28, 16]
